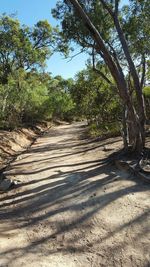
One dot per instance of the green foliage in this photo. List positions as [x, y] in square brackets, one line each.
[27, 94]
[105, 129]
[22, 47]
[93, 96]
[136, 17]
[28, 97]
[146, 91]
[74, 30]
[96, 102]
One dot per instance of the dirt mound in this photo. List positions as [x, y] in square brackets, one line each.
[14, 142]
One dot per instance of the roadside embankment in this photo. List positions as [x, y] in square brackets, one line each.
[15, 142]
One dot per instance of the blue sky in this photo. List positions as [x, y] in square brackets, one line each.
[29, 12]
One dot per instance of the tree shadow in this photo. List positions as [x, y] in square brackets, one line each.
[64, 193]
[66, 187]
[63, 205]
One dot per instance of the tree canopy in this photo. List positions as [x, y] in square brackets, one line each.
[27, 92]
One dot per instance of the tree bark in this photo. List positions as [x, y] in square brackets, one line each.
[137, 85]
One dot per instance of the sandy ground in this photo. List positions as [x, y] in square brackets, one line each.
[72, 209]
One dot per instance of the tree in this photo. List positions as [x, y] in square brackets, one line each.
[102, 30]
[137, 31]
[27, 93]
[146, 92]
[22, 47]
[60, 100]
[96, 101]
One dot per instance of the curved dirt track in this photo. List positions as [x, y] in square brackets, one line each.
[72, 209]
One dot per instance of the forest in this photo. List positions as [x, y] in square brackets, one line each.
[75, 152]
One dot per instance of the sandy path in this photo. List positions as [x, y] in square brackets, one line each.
[72, 209]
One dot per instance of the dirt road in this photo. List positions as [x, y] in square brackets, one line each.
[72, 209]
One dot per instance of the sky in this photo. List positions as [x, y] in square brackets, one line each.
[29, 12]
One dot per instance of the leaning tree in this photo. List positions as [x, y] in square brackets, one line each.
[101, 26]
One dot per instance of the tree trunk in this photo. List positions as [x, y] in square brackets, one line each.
[138, 89]
[124, 127]
[135, 139]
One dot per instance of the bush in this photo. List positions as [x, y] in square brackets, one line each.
[105, 130]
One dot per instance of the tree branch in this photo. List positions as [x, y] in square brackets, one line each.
[76, 55]
[107, 7]
[101, 46]
[115, 56]
[98, 71]
[116, 6]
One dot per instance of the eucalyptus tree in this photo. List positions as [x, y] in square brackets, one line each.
[99, 26]
[23, 53]
[22, 47]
